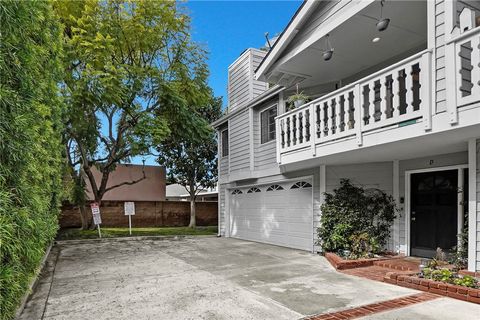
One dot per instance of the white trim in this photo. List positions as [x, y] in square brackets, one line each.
[251, 139]
[460, 210]
[408, 174]
[341, 15]
[472, 204]
[396, 197]
[450, 9]
[285, 38]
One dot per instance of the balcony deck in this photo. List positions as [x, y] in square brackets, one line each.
[393, 104]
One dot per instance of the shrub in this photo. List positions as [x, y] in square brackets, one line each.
[30, 149]
[448, 276]
[356, 220]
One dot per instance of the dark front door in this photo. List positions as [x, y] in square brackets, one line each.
[433, 212]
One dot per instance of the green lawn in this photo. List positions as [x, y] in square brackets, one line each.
[69, 234]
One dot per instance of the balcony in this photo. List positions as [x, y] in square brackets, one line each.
[388, 101]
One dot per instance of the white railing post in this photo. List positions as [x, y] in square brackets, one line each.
[425, 90]
[451, 81]
[383, 98]
[357, 115]
[371, 103]
[396, 93]
[409, 88]
[329, 117]
[321, 125]
[475, 62]
[313, 129]
[338, 110]
[279, 140]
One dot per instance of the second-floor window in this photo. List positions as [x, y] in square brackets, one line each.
[224, 141]
[267, 124]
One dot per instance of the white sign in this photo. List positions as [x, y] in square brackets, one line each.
[95, 208]
[97, 219]
[129, 208]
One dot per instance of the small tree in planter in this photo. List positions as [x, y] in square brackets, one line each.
[298, 99]
[356, 220]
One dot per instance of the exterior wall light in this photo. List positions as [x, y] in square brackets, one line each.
[327, 54]
[382, 23]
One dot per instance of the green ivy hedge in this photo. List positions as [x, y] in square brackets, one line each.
[30, 143]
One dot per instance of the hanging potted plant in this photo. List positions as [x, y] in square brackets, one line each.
[298, 98]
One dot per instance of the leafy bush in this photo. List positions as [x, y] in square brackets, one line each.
[30, 149]
[356, 220]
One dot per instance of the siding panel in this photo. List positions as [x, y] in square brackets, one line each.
[239, 142]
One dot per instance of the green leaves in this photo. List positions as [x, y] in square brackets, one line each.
[356, 219]
[30, 143]
[133, 78]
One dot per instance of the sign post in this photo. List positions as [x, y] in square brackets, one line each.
[129, 211]
[97, 219]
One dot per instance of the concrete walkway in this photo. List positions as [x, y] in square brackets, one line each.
[199, 278]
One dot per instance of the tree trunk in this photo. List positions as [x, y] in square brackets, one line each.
[83, 217]
[193, 222]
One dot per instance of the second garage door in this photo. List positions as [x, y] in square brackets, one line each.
[279, 213]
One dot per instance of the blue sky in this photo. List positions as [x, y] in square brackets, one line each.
[226, 28]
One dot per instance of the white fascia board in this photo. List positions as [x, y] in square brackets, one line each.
[340, 17]
[285, 39]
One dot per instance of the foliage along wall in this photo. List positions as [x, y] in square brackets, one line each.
[30, 143]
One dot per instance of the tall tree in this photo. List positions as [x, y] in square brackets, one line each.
[30, 143]
[191, 162]
[131, 67]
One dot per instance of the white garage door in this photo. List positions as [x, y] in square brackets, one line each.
[279, 213]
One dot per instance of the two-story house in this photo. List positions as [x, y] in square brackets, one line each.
[394, 105]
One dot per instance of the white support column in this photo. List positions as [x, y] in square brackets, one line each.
[322, 186]
[396, 197]
[251, 139]
[460, 205]
[357, 115]
[425, 90]
[323, 182]
[451, 82]
[472, 204]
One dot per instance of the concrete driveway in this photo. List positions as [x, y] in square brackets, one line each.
[195, 278]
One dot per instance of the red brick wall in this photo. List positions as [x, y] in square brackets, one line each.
[147, 214]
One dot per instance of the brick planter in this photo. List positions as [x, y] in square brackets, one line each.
[341, 264]
[437, 287]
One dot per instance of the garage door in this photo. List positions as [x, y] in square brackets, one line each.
[279, 213]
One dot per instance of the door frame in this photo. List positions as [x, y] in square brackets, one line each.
[228, 212]
[408, 173]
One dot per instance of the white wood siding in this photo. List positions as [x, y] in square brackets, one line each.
[221, 209]
[265, 155]
[241, 84]
[239, 142]
[440, 96]
[478, 205]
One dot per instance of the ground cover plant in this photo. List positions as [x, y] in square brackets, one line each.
[71, 234]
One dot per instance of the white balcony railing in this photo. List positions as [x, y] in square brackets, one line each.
[392, 96]
[467, 67]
